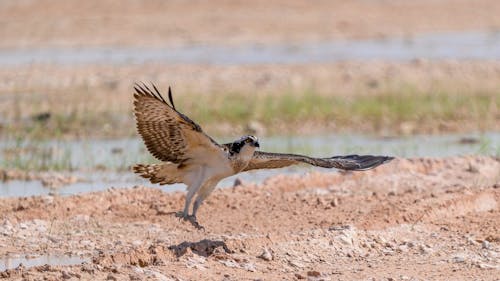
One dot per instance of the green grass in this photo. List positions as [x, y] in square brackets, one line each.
[385, 110]
[34, 157]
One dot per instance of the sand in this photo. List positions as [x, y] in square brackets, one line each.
[411, 219]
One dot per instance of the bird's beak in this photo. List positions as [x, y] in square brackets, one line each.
[256, 144]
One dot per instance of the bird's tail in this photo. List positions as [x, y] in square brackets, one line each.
[164, 173]
[361, 162]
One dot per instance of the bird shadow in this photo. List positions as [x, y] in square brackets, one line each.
[205, 247]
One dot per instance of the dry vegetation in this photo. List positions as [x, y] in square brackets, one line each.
[377, 97]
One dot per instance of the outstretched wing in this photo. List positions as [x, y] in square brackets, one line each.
[267, 160]
[168, 134]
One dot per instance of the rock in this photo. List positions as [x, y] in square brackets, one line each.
[66, 275]
[249, 267]
[298, 276]
[266, 255]
[458, 259]
[425, 250]
[296, 264]
[486, 266]
[486, 245]
[313, 273]
[334, 202]
[345, 240]
[237, 182]
[111, 277]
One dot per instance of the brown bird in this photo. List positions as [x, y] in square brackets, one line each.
[192, 157]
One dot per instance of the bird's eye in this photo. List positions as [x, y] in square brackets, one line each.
[248, 140]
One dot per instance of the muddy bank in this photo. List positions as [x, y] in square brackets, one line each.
[413, 218]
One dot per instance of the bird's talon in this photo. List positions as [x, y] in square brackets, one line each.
[194, 222]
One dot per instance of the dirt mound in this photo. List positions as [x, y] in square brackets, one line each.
[413, 218]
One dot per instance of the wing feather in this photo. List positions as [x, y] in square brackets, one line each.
[268, 160]
[168, 134]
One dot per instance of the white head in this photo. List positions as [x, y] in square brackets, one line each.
[245, 146]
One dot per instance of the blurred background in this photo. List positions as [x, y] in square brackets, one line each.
[405, 78]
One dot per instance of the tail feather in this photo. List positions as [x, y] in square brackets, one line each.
[361, 162]
[164, 173]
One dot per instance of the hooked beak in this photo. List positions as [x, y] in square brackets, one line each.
[256, 144]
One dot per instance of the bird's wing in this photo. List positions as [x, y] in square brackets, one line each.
[168, 134]
[267, 160]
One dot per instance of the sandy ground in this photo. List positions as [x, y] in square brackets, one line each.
[167, 23]
[412, 219]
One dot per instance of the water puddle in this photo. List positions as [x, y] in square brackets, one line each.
[457, 45]
[118, 155]
[14, 262]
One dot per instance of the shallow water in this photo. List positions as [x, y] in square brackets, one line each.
[13, 262]
[118, 155]
[458, 45]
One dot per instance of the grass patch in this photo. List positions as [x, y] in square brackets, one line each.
[386, 110]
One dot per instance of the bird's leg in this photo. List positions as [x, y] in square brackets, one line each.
[196, 205]
[189, 196]
[192, 189]
[185, 214]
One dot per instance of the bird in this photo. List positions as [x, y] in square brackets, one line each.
[188, 155]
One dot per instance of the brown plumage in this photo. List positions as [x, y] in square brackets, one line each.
[192, 157]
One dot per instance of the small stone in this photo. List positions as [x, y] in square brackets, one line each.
[111, 277]
[345, 240]
[486, 266]
[237, 182]
[134, 276]
[249, 267]
[266, 255]
[458, 259]
[296, 264]
[298, 276]
[313, 273]
[334, 202]
[54, 239]
[425, 250]
[486, 245]
[66, 275]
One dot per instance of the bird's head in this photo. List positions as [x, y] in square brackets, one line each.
[246, 144]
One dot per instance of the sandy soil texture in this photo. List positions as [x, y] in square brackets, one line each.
[411, 219]
[139, 23]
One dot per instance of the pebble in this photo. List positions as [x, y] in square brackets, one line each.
[313, 273]
[296, 264]
[458, 259]
[266, 255]
[345, 240]
[298, 276]
[486, 245]
[66, 275]
[486, 266]
[334, 202]
[425, 250]
[249, 267]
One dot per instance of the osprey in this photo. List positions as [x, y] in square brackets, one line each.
[192, 157]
